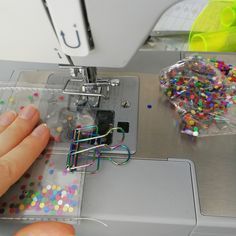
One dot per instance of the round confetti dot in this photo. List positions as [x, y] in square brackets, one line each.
[41, 205]
[46, 209]
[54, 187]
[61, 98]
[73, 203]
[58, 188]
[59, 129]
[74, 186]
[36, 94]
[2, 102]
[51, 171]
[72, 191]
[11, 100]
[49, 187]
[44, 190]
[56, 208]
[40, 177]
[30, 98]
[21, 207]
[35, 199]
[22, 196]
[71, 209]
[40, 197]
[60, 202]
[33, 203]
[2, 210]
[31, 184]
[65, 209]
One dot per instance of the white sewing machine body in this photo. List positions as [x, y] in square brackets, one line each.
[147, 196]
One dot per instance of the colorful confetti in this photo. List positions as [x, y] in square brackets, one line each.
[43, 191]
[11, 100]
[203, 92]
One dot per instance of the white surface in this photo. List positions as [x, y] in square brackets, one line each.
[119, 28]
[26, 33]
[68, 20]
[180, 16]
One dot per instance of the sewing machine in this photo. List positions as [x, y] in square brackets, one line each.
[170, 186]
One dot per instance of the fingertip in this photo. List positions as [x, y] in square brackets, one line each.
[7, 118]
[41, 130]
[47, 229]
[28, 112]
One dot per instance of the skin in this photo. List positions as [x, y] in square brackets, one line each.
[20, 144]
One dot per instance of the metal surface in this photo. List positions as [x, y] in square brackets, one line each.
[159, 136]
[214, 157]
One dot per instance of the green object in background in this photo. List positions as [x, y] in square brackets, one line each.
[214, 30]
[221, 41]
[228, 16]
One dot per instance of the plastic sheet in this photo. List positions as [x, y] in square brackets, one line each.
[203, 92]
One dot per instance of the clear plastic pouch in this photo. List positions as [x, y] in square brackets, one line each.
[47, 191]
[203, 93]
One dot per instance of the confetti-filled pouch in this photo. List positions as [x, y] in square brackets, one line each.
[203, 92]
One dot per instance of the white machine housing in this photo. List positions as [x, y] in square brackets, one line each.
[50, 31]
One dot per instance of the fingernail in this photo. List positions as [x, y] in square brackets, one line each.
[40, 130]
[28, 112]
[7, 118]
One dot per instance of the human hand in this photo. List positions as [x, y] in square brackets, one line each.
[20, 144]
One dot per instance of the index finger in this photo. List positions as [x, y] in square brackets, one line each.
[18, 160]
